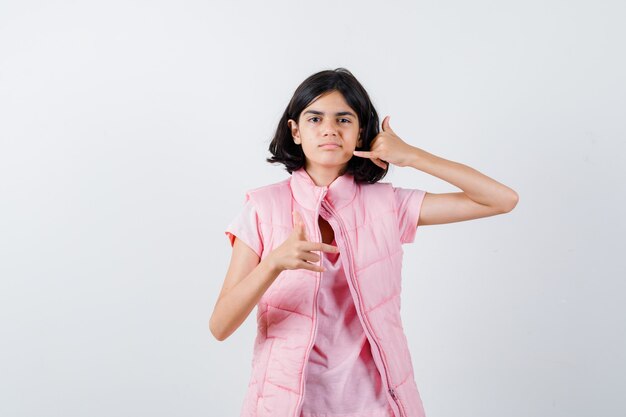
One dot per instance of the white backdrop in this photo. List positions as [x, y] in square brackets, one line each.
[130, 131]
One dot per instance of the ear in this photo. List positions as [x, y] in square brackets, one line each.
[295, 133]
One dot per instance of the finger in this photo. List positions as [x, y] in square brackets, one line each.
[330, 248]
[295, 216]
[309, 257]
[303, 234]
[299, 226]
[386, 127]
[364, 154]
[373, 156]
[380, 163]
[311, 267]
[319, 246]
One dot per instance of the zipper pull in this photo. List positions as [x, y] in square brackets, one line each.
[324, 208]
[392, 393]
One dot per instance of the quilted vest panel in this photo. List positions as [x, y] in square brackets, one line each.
[363, 218]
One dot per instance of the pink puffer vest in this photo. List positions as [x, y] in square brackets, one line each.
[363, 217]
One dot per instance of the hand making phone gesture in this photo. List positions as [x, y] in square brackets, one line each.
[388, 148]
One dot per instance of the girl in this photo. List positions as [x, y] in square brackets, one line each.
[320, 256]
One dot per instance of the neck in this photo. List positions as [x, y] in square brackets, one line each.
[323, 176]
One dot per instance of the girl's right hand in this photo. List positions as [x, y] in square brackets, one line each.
[296, 250]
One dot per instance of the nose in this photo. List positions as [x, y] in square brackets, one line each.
[330, 128]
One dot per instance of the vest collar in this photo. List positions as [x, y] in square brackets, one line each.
[339, 193]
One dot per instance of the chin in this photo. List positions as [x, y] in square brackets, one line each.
[333, 161]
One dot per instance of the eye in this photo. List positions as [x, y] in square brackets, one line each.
[313, 118]
[347, 120]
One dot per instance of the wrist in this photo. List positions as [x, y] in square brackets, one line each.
[271, 266]
[416, 157]
[412, 157]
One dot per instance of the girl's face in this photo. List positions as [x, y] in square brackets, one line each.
[328, 131]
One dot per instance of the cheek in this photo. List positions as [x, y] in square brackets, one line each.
[308, 148]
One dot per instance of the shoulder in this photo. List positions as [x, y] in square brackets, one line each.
[388, 195]
[268, 189]
[265, 195]
[377, 189]
[378, 197]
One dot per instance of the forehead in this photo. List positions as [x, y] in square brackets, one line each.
[330, 103]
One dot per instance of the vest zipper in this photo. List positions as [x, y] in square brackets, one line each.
[317, 288]
[369, 333]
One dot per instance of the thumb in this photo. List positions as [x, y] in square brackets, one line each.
[386, 127]
[298, 226]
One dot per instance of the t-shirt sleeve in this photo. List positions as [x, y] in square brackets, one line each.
[246, 227]
[408, 205]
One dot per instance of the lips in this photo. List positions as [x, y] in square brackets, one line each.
[330, 145]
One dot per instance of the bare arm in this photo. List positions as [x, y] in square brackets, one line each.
[482, 196]
[248, 278]
[246, 281]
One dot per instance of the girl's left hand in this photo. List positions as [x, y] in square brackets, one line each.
[387, 148]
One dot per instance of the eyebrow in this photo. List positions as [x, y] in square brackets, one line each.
[341, 113]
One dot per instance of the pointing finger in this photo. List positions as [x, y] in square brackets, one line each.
[319, 246]
[330, 248]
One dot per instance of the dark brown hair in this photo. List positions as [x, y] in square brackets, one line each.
[290, 154]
